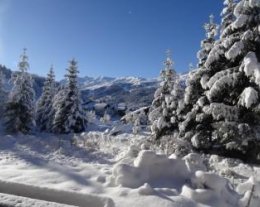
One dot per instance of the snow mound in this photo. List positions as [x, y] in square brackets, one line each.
[211, 189]
[251, 191]
[149, 167]
[194, 162]
[152, 174]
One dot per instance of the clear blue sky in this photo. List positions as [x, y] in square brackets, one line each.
[107, 37]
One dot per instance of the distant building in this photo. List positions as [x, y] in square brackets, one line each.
[101, 108]
[121, 108]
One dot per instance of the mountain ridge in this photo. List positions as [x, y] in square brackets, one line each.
[134, 92]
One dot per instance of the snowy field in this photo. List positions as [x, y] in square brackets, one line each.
[95, 169]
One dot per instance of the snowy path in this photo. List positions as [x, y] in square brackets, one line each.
[7, 200]
[52, 195]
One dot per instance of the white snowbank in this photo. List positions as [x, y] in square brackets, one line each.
[149, 167]
[251, 191]
[7, 200]
[150, 171]
[54, 195]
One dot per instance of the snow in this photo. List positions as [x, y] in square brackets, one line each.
[100, 106]
[248, 97]
[221, 82]
[101, 82]
[149, 167]
[122, 106]
[240, 21]
[254, 3]
[7, 200]
[251, 67]
[111, 171]
[54, 195]
[239, 8]
[214, 54]
[248, 35]
[211, 187]
[221, 111]
[235, 50]
[218, 76]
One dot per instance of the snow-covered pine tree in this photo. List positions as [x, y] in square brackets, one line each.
[194, 93]
[228, 17]
[163, 114]
[19, 112]
[3, 94]
[228, 122]
[44, 109]
[194, 87]
[69, 115]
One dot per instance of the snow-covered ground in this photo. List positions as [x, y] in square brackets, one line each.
[96, 169]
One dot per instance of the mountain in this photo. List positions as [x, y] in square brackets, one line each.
[133, 92]
[124, 93]
[37, 83]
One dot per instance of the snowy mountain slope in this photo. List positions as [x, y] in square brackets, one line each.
[133, 91]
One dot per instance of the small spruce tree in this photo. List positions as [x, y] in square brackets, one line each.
[19, 112]
[69, 115]
[163, 113]
[44, 107]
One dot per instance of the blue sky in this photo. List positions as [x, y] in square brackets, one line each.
[107, 37]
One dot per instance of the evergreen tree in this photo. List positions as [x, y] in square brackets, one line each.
[19, 112]
[194, 87]
[44, 109]
[228, 17]
[194, 93]
[163, 114]
[3, 94]
[69, 115]
[228, 112]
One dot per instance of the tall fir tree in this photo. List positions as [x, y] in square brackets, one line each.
[228, 115]
[228, 17]
[69, 115]
[19, 112]
[44, 107]
[194, 92]
[194, 87]
[163, 115]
